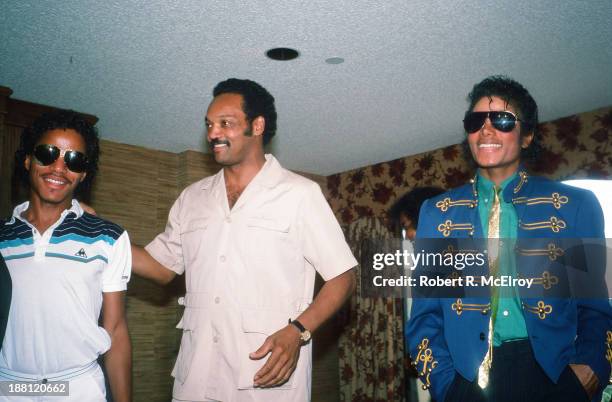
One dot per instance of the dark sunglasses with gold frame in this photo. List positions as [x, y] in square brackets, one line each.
[46, 154]
[503, 121]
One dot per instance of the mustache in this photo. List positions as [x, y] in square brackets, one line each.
[218, 141]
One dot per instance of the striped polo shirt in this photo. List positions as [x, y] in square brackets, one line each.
[58, 279]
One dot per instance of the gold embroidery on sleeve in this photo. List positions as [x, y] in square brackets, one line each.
[609, 351]
[425, 356]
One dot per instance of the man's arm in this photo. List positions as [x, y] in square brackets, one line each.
[285, 343]
[594, 314]
[118, 359]
[143, 264]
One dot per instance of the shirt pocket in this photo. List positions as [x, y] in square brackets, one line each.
[187, 351]
[257, 325]
[268, 244]
[192, 239]
[278, 225]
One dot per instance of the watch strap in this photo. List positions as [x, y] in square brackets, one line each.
[298, 325]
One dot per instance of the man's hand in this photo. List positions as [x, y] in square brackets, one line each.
[285, 348]
[587, 378]
[87, 208]
[285, 344]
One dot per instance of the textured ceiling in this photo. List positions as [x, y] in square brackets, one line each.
[146, 68]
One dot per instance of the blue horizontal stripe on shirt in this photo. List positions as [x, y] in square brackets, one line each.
[82, 239]
[75, 258]
[18, 256]
[16, 243]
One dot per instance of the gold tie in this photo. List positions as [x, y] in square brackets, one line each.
[493, 252]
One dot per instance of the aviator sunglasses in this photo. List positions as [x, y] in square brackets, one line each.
[46, 154]
[501, 120]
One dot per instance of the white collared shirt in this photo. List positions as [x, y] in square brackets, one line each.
[248, 270]
[58, 279]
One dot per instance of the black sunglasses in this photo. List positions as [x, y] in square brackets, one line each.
[501, 120]
[46, 154]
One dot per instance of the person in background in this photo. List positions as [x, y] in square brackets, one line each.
[404, 215]
[513, 348]
[66, 266]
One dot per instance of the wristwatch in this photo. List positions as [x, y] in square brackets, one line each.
[304, 333]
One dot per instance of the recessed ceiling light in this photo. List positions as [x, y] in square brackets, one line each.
[282, 53]
[334, 60]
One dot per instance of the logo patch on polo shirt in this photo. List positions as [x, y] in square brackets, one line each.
[81, 253]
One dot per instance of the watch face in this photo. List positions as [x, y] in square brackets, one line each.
[305, 336]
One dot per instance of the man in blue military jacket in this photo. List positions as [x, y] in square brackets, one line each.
[518, 347]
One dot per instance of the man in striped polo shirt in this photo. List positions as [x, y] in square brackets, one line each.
[65, 267]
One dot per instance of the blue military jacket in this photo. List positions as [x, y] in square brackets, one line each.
[449, 335]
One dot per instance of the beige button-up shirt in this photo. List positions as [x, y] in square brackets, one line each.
[248, 270]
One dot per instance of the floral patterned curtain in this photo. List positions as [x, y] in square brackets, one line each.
[371, 350]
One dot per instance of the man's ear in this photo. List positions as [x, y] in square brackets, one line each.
[258, 125]
[82, 179]
[526, 140]
[27, 162]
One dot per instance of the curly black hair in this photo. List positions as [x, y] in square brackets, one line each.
[514, 94]
[62, 119]
[256, 101]
[410, 203]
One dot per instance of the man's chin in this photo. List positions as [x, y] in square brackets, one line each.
[487, 162]
[58, 202]
[56, 199]
[223, 160]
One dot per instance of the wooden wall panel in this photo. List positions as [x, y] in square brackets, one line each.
[5, 151]
[125, 190]
[9, 142]
[135, 189]
[195, 166]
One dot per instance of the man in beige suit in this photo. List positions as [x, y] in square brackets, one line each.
[249, 240]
